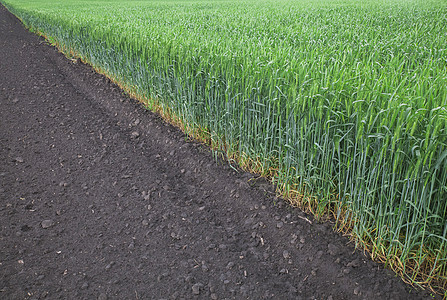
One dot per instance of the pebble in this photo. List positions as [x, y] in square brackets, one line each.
[213, 296]
[196, 288]
[19, 159]
[145, 222]
[47, 224]
[84, 285]
[110, 265]
[286, 254]
[230, 265]
[135, 134]
[131, 245]
[249, 221]
[279, 224]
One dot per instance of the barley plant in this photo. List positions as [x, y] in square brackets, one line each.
[342, 103]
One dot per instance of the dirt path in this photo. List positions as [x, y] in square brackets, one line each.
[100, 199]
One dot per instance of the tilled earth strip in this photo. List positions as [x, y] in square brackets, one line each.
[100, 199]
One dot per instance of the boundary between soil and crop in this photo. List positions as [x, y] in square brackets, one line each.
[297, 198]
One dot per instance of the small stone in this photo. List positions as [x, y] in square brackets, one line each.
[47, 224]
[145, 222]
[196, 288]
[110, 265]
[286, 254]
[84, 285]
[279, 224]
[230, 265]
[356, 291]
[131, 245]
[213, 296]
[248, 221]
[135, 134]
[19, 159]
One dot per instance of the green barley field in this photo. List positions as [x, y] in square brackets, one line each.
[342, 103]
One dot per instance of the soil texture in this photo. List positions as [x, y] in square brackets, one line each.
[101, 199]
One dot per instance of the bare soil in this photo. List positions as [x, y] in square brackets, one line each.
[100, 199]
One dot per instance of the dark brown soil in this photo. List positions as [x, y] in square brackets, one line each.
[100, 199]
